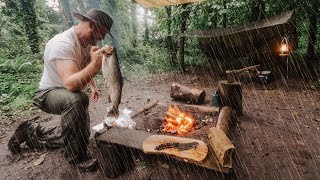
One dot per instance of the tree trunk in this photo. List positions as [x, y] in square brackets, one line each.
[134, 24]
[169, 39]
[112, 9]
[93, 4]
[30, 23]
[67, 12]
[224, 18]
[257, 10]
[81, 6]
[185, 15]
[311, 52]
[145, 24]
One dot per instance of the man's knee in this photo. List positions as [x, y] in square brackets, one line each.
[80, 99]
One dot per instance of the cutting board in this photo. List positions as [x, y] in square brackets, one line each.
[195, 154]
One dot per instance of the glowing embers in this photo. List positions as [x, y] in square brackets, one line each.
[177, 121]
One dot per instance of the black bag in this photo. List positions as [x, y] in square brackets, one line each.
[265, 77]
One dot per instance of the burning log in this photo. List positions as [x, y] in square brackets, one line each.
[224, 120]
[184, 93]
[177, 121]
[231, 95]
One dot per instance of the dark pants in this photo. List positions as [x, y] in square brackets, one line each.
[73, 135]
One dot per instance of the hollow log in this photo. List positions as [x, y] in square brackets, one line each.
[184, 93]
[231, 95]
[224, 120]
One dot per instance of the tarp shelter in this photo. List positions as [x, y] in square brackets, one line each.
[159, 3]
[260, 37]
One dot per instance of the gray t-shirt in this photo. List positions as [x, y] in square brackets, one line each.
[64, 46]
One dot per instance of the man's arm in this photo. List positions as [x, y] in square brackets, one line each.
[74, 79]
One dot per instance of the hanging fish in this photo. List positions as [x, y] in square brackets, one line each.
[113, 80]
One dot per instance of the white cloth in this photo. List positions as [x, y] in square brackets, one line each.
[64, 46]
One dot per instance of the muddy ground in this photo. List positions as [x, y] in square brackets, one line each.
[276, 138]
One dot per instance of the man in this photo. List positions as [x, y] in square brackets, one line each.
[71, 60]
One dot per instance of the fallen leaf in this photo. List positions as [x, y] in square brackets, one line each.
[317, 119]
[39, 160]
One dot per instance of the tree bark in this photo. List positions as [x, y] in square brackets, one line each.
[224, 17]
[134, 24]
[225, 120]
[169, 39]
[185, 15]
[28, 14]
[93, 4]
[67, 12]
[112, 9]
[231, 95]
[311, 52]
[145, 24]
[257, 10]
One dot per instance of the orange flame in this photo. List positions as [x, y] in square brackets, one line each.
[177, 121]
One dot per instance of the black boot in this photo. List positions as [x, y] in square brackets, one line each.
[20, 136]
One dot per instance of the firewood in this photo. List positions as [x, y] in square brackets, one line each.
[147, 106]
[231, 95]
[246, 74]
[184, 93]
[205, 109]
[222, 146]
[224, 120]
[116, 145]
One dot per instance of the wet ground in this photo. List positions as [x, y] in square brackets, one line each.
[276, 138]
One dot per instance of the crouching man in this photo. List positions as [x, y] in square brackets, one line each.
[71, 61]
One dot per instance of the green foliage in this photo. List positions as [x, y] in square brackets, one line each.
[145, 58]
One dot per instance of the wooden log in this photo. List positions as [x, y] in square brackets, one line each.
[205, 109]
[147, 106]
[184, 93]
[114, 160]
[246, 74]
[222, 146]
[231, 95]
[249, 68]
[133, 140]
[202, 108]
[224, 120]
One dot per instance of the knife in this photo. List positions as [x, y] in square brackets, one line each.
[179, 146]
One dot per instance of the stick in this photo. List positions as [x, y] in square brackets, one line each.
[143, 108]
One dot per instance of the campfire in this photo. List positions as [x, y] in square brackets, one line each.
[177, 121]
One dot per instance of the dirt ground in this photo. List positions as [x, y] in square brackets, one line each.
[276, 138]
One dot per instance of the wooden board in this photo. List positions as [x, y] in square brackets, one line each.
[195, 154]
[134, 139]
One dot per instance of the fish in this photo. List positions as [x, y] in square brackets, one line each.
[113, 80]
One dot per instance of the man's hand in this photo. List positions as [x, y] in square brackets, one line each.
[96, 57]
[94, 95]
[94, 91]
